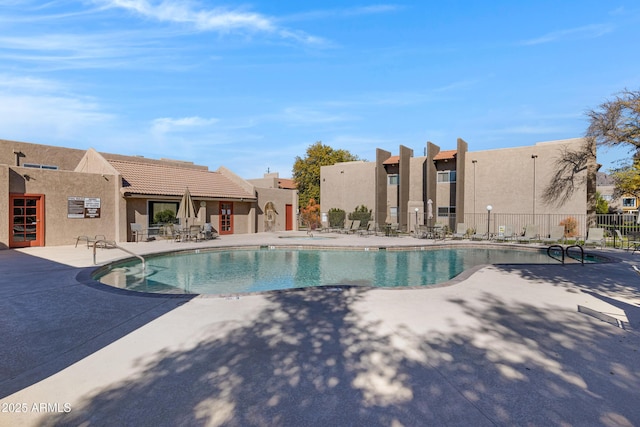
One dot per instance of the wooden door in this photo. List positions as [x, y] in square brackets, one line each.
[226, 218]
[26, 220]
[288, 217]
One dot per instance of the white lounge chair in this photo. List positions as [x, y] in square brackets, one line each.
[531, 233]
[556, 235]
[595, 236]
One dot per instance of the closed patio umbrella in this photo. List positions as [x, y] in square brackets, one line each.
[186, 210]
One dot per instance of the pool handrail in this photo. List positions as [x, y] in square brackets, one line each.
[113, 244]
[565, 251]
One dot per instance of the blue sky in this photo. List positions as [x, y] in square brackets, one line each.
[250, 85]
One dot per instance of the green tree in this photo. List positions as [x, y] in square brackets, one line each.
[627, 180]
[602, 206]
[306, 170]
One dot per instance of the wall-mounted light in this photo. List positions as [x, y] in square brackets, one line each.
[27, 177]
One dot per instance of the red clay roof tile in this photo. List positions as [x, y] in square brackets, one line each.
[168, 180]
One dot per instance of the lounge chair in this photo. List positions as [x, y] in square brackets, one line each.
[506, 233]
[369, 229]
[355, 226]
[556, 235]
[531, 233]
[595, 236]
[347, 226]
[461, 231]
[480, 234]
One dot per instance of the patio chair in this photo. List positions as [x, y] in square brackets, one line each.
[393, 230]
[137, 232]
[531, 233]
[506, 233]
[619, 237]
[170, 232]
[422, 231]
[347, 226]
[369, 229]
[209, 232]
[480, 234]
[556, 235]
[355, 226]
[439, 232]
[194, 233]
[595, 236]
[461, 231]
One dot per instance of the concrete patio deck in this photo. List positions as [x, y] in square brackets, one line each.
[504, 346]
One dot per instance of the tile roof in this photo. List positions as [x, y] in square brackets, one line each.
[446, 155]
[393, 160]
[169, 180]
[286, 183]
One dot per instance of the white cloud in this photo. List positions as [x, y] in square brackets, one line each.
[587, 31]
[49, 117]
[166, 124]
[300, 116]
[218, 19]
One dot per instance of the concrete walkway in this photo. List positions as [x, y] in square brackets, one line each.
[504, 346]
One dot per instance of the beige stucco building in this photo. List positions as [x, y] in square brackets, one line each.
[456, 186]
[50, 195]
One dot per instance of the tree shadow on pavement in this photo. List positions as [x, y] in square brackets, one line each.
[314, 358]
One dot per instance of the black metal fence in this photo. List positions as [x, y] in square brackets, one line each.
[576, 225]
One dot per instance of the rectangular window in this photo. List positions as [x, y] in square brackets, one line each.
[37, 166]
[629, 202]
[447, 176]
[393, 179]
[446, 211]
[393, 212]
[162, 213]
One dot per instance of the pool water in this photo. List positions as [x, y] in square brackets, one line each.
[244, 270]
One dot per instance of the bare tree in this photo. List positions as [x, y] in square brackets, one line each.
[615, 122]
[568, 177]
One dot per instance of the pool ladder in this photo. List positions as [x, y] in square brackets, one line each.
[113, 244]
[565, 252]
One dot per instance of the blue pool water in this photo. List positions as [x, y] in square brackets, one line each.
[244, 270]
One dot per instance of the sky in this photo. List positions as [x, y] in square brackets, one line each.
[250, 85]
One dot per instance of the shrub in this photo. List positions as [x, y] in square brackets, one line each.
[362, 213]
[570, 226]
[310, 214]
[166, 216]
[336, 217]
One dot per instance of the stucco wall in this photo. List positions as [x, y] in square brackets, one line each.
[280, 198]
[64, 158]
[347, 185]
[4, 206]
[505, 180]
[58, 186]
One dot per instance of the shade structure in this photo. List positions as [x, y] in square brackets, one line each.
[186, 210]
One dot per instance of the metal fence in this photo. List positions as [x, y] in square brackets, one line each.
[575, 224]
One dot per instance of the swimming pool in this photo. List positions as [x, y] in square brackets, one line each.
[233, 271]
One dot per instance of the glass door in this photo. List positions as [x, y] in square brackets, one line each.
[226, 218]
[27, 220]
